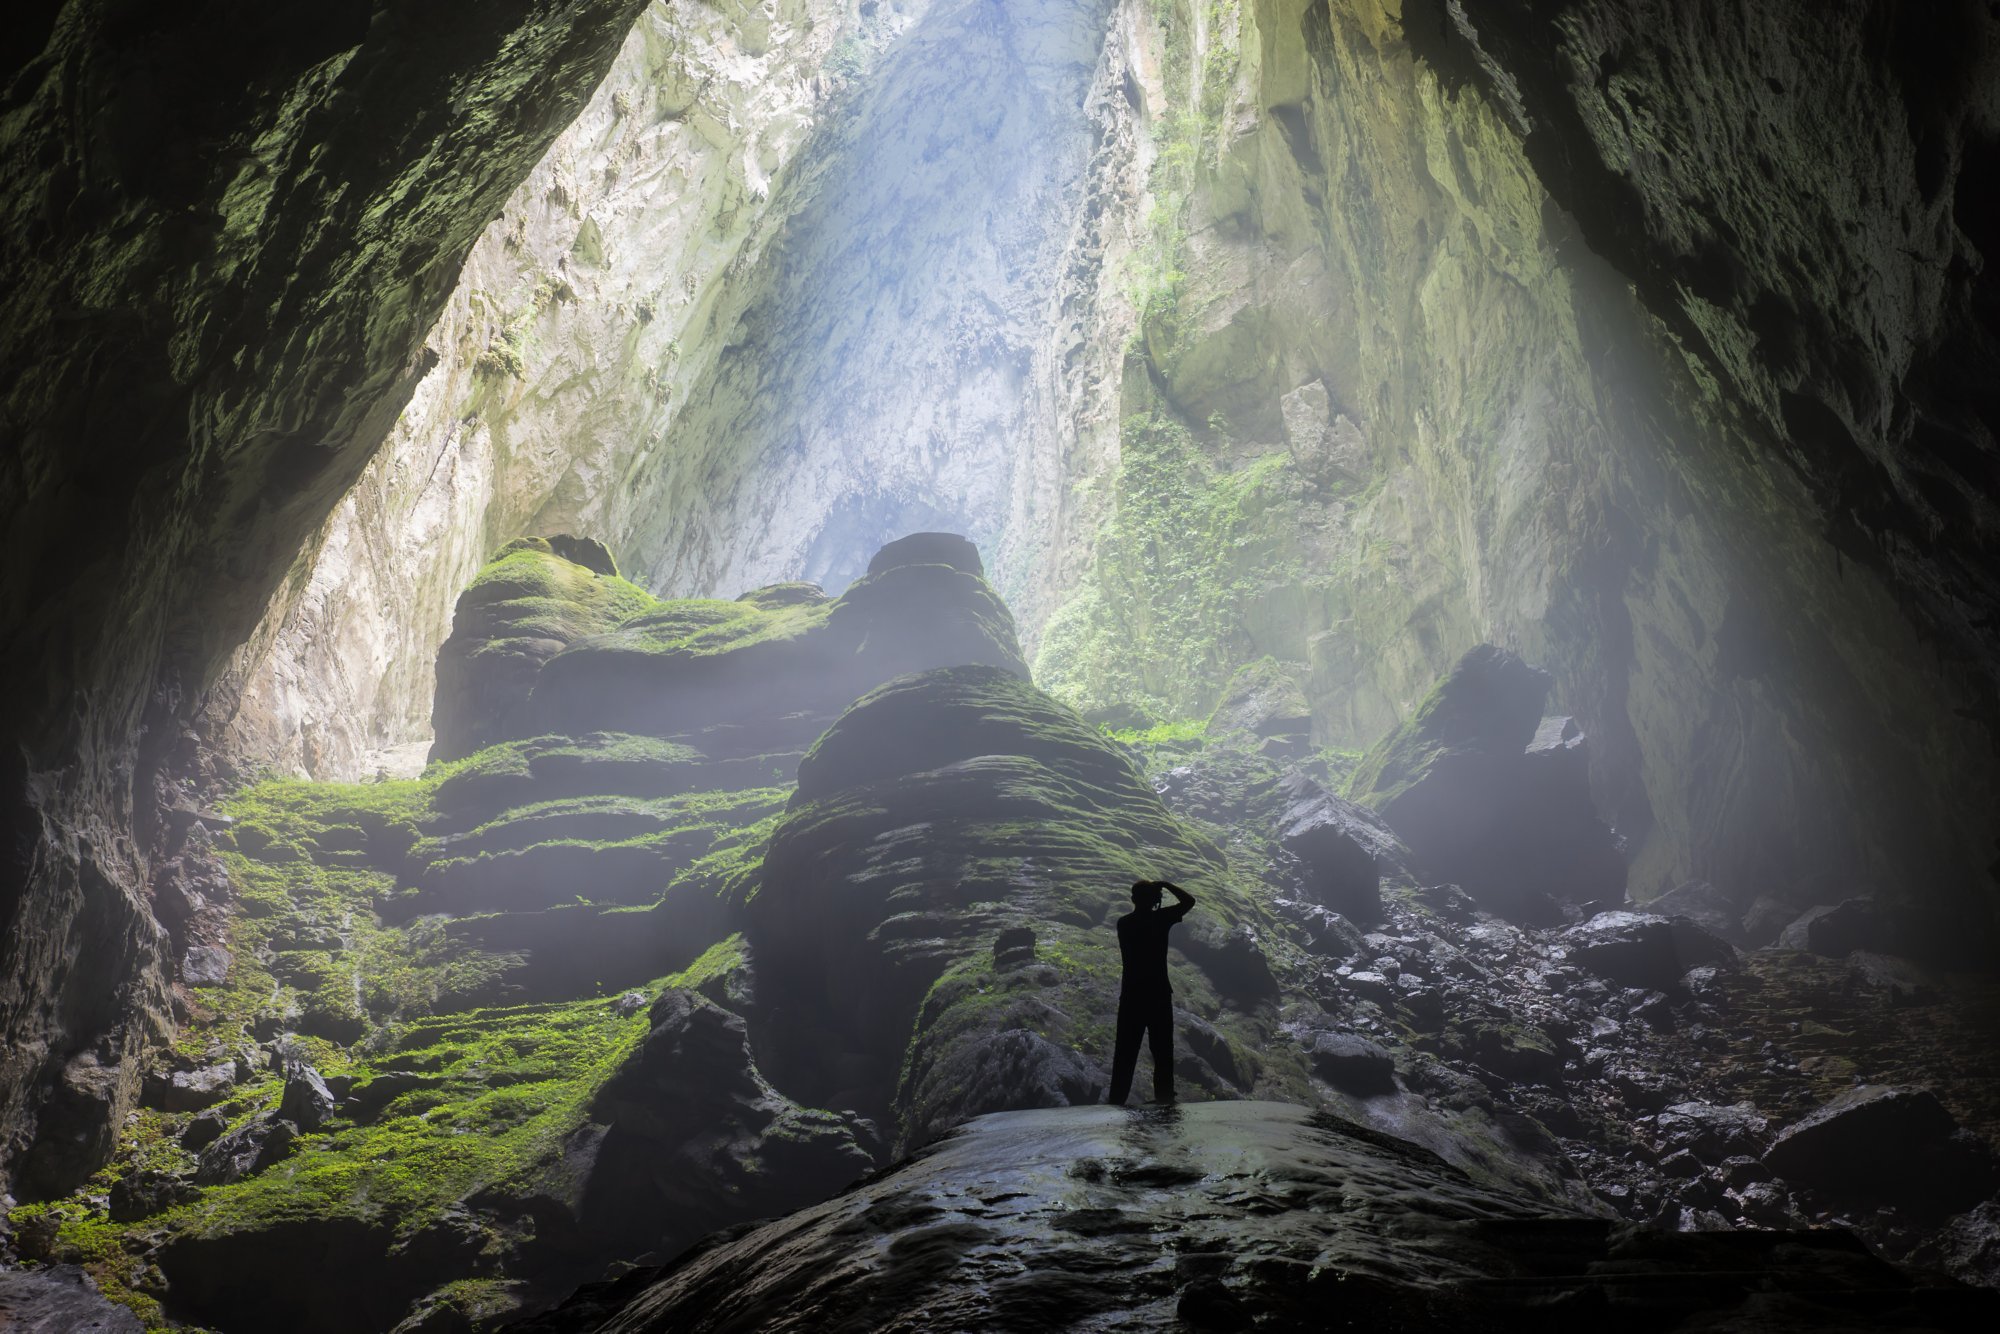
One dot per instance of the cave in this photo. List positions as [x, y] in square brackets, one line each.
[657, 572]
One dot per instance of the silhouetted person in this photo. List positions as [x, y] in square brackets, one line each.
[1145, 1000]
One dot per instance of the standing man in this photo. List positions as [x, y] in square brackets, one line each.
[1145, 1000]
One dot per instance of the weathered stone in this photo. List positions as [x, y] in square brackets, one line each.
[59, 1299]
[250, 1148]
[1643, 950]
[306, 1101]
[1353, 1064]
[1343, 849]
[1195, 1179]
[192, 1090]
[1882, 1144]
[205, 966]
[1711, 1132]
[1481, 802]
[929, 549]
[143, 1193]
[1704, 905]
[1014, 947]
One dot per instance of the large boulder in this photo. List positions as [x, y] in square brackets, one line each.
[1885, 1145]
[1836, 929]
[1642, 949]
[537, 596]
[1344, 851]
[941, 812]
[1491, 796]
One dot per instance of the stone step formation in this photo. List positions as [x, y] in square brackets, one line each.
[704, 910]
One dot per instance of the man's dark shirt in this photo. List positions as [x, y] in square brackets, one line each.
[1142, 941]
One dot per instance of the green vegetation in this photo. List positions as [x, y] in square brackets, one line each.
[1160, 734]
[1159, 626]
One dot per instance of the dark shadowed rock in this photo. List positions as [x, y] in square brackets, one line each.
[1711, 1132]
[1344, 850]
[250, 1148]
[205, 966]
[1488, 798]
[696, 1133]
[144, 1193]
[1353, 1064]
[1836, 929]
[1014, 947]
[929, 549]
[191, 1090]
[1643, 950]
[1880, 1144]
[306, 1101]
[1058, 1219]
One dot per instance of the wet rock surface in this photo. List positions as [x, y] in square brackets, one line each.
[60, 1299]
[1232, 1216]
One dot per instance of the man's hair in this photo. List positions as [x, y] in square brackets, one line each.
[1145, 892]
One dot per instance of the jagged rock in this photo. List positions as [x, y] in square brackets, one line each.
[1352, 1064]
[1642, 950]
[1049, 1218]
[1233, 959]
[1484, 797]
[1884, 1144]
[306, 1101]
[1835, 929]
[1264, 701]
[1765, 918]
[250, 1148]
[204, 1130]
[1343, 849]
[1967, 1246]
[1705, 906]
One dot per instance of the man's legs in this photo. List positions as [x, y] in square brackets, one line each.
[1160, 1031]
[1125, 1052]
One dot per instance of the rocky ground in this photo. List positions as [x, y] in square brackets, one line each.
[1239, 1215]
[706, 909]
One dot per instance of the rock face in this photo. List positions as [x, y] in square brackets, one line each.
[1489, 795]
[942, 810]
[1038, 1219]
[247, 240]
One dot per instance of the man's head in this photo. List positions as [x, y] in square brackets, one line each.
[1145, 894]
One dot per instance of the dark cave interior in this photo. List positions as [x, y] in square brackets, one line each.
[604, 599]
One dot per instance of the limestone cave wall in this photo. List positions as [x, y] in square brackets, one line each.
[229, 227]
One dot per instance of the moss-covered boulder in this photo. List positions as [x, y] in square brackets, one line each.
[1484, 799]
[534, 598]
[943, 814]
[767, 674]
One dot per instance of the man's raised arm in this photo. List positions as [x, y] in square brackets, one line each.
[1182, 900]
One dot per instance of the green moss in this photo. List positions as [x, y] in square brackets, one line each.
[1159, 625]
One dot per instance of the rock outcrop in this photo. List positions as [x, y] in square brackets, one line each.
[1274, 1218]
[1491, 796]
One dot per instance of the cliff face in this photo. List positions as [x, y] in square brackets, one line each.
[229, 230]
[1418, 366]
[578, 322]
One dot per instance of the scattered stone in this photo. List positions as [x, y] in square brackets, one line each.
[192, 1090]
[204, 1130]
[1642, 950]
[1712, 1132]
[629, 1004]
[1343, 849]
[367, 1100]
